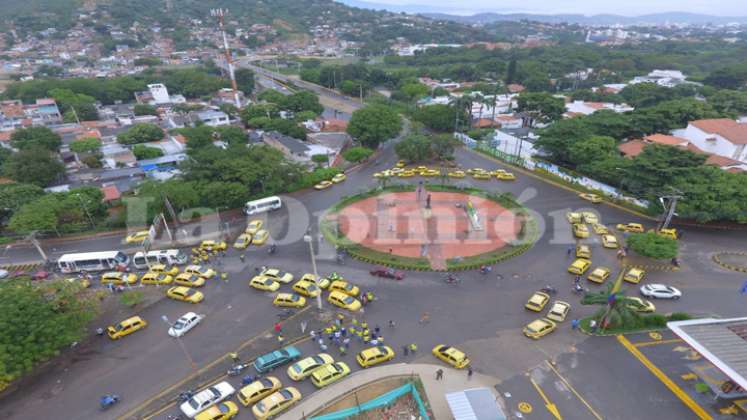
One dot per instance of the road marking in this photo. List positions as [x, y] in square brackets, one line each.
[573, 390]
[193, 375]
[552, 408]
[525, 407]
[657, 342]
[673, 387]
[655, 335]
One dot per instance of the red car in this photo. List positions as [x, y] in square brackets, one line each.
[387, 273]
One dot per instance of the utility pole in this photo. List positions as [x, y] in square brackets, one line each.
[220, 14]
[85, 209]
[37, 245]
[308, 239]
[670, 208]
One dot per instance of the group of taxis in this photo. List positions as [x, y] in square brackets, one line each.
[482, 174]
[323, 185]
[254, 234]
[341, 293]
[185, 282]
[402, 172]
[542, 326]
[582, 263]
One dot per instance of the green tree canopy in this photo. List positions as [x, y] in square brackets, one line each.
[439, 117]
[13, 196]
[245, 80]
[32, 137]
[374, 124]
[141, 133]
[414, 148]
[357, 154]
[653, 245]
[34, 166]
[85, 145]
[75, 104]
[543, 107]
[145, 109]
[142, 151]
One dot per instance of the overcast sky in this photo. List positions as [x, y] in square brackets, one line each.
[587, 7]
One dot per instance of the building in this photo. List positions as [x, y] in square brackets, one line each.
[721, 136]
[211, 117]
[159, 93]
[516, 142]
[292, 148]
[665, 78]
[587, 108]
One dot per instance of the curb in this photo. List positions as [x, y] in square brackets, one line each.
[717, 259]
[654, 267]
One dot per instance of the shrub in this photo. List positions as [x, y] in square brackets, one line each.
[680, 316]
[131, 297]
[357, 154]
[142, 151]
[653, 245]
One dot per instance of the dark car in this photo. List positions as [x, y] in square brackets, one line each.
[388, 273]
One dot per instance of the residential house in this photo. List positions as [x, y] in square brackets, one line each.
[576, 108]
[721, 136]
[666, 78]
[292, 148]
[211, 117]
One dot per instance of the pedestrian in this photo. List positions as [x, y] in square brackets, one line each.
[312, 333]
[246, 380]
[331, 337]
[338, 322]
[278, 328]
[391, 323]
[390, 250]
[469, 372]
[337, 334]
[574, 324]
[320, 341]
[224, 276]
[374, 341]
[234, 357]
[280, 338]
[364, 300]
[593, 325]
[439, 374]
[413, 348]
[570, 251]
[346, 342]
[343, 331]
[342, 350]
[242, 257]
[405, 350]
[324, 347]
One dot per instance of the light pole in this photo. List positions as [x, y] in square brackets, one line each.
[308, 239]
[181, 344]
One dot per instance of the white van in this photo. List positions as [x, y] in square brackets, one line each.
[92, 261]
[167, 257]
[262, 205]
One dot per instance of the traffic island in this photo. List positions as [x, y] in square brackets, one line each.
[431, 227]
[733, 260]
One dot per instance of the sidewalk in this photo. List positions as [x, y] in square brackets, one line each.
[453, 380]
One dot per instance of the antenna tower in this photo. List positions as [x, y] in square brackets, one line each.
[220, 14]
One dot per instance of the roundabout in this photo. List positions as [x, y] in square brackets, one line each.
[434, 227]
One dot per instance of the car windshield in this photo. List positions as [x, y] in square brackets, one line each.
[268, 282]
[295, 298]
[178, 325]
[348, 300]
[286, 394]
[266, 383]
[297, 368]
[282, 353]
[260, 407]
[223, 408]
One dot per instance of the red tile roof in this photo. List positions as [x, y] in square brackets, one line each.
[731, 130]
[722, 161]
[666, 139]
[483, 123]
[111, 193]
[632, 148]
[515, 88]
[5, 135]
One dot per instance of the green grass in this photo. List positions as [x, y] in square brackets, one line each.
[650, 322]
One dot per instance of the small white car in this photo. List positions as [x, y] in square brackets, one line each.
[207, 397]
[660, 291]
[185, 323]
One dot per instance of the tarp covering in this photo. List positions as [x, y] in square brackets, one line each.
[380, 401]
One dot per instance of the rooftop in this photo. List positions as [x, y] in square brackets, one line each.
[729, 129]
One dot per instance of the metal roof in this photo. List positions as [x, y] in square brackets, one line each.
[474, 404]
[722, 342]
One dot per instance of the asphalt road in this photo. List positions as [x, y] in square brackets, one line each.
[483, 316]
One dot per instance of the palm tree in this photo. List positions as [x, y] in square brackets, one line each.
[480, 100]
[614, 310]
[461, 104]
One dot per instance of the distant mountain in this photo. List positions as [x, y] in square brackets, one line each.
[406, 8]
[650, 19]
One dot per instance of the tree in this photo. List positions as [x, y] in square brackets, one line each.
[142, 151]
[75, 105]
[38, 321]
[13, 196]
[357, 154]
[591, 149]
[511, 72]
[272, 96]
[287, 127]
[438, 117]
[642, 95]
[38, 215]
[259, 110]
[302, 101]
[86, 145]
[321, 160]
[33, 137]
[145, 109]
[34, 166]
[141, 133]
[543, 107]
[442, 146]
[414, 148]
[374, 124]
[653, 245]
[245, 80]
[659, 165]
[415, 90]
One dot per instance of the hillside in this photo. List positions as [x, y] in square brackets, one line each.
[656, 18]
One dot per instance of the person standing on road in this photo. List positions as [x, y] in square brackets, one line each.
[278, 328]
[439, 374]
[242, 257]
[469, 372]
[405, 350]
[574, 324]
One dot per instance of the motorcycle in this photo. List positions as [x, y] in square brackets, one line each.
[549, 290]
[577, 289]
[452, 279]
[485, 269]
[185, 395]
[272, 249]
[235, 370]
[108, 400]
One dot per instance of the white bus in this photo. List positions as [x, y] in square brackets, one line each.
[262, 205]
[141, 260]
[92, 261]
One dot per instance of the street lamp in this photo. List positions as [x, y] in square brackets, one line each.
[181, 344]
[307, 238]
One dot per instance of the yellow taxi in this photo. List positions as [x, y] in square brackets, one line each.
[275, 403]
[321, 282]
[323, 185]
[164, 269]
[583, 251]
[497, 172]
[631, 227]
[307, 288]
[457, 174]
[590, 217]
[451, 355]
[421, 168]
[634, 275]
[222, 411]
[591, 197]
[537, 302]
[599, 274]
[339, 178]
[329, 373]
[118, 278]
[600, 229]
[472, 171]
[185, 294]
[213, 246]
[573, 217]
[303, 368]
[401, 164]
[81, 281]
[539, 328]
[639, 305]
[260, 237]
[126, 327]
[667, 233]
[374, 355]
[506, 176]
[344, 287]
[609, 241]
[430, 172]
[264, 283]
[579, 266]
[156, 278]
[394, 171]
[343, 301]
[243, 241]
[580, 230]
[559, 310]
[253, 226]
[289, 300]
[137, 237]
[408, 173]
[383, 174]
[481, 175]
[204, 272]
[276, 275]
[257, 390]
[189, 280]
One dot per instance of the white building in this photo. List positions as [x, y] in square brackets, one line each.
[159, 93]
[213, 118]
[666, 78]
[587, 108]
[722, 136]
